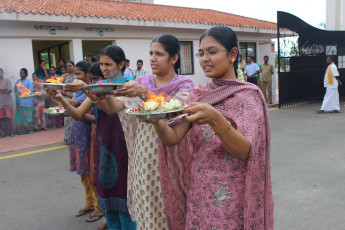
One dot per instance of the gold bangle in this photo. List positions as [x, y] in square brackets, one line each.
[227, 129]
[95, 102]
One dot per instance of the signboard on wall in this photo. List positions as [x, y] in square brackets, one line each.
[51, 29]
[100, 31]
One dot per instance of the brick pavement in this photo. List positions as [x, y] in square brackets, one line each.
[30, 140]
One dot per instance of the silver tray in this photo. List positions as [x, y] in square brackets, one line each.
[65, 114]
[53, 86]
[30, 97]
[153, 115]
[106, 88]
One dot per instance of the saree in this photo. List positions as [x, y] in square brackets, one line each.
[68, 120]
[199, 175]
[39, 106]
[144, 189]
[24, 120]
[24, 114]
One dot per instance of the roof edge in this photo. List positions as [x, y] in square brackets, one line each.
[66, 18]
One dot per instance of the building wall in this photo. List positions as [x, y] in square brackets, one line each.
[17, 39]
[16, 54]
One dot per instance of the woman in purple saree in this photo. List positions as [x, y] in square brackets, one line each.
[220, 169]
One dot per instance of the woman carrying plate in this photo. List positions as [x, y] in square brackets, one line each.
[68, 78]
[25, 113]
[111, 156]
[144, 188]
[228, 155]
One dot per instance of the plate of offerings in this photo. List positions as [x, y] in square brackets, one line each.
[153, 109]
[53, 84]
[56, 111]
[102, 87]
[30, 95]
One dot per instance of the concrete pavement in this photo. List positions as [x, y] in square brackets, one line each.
[308, 170]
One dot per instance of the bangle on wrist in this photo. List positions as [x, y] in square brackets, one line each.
[95, 102]
[225, 131]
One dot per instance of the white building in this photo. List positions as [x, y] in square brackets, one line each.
[335, 15]
[40, 29]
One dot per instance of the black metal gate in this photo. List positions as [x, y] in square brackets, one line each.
[302, 52]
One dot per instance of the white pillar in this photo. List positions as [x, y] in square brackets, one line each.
[334, 14]
[76, 50]
[342, 16]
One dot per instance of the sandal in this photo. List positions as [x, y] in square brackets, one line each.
[82, 212]
[92, 218]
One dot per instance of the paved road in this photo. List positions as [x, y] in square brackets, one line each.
[308, 169]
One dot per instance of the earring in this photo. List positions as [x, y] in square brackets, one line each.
[232, 60]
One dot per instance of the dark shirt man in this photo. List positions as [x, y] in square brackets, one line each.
[42, 73]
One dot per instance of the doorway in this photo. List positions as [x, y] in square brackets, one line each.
[50, 52]
[95, 47]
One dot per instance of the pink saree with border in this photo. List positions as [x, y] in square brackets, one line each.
[203, 186]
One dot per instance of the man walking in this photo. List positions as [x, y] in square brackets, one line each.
[251, 70]
[139, 71]
[331, 100]
[266, 70]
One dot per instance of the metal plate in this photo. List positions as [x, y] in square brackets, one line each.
[106, 88]
[53, 86]
[154, 115]
[58, 114]
[29, 97]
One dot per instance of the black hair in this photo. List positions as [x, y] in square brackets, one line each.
[83, 66]
[127, 60]
[266, 56]
[140, 61]
[171, 45]
[95, 69]
[53, 67]
[42, 61]
[25, 71]
[63, 67]
[115, 53]
[332, 58]
[70, 62]
[226, 37]
[63, 60]
[1, 70]
[34, 74]
[92, 56]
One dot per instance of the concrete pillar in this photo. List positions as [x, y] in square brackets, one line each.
[342, 14]
[76, 50]
[335, 14]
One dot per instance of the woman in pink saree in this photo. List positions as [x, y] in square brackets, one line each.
[215, 162]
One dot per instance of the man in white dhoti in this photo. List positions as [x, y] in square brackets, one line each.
[331, 100]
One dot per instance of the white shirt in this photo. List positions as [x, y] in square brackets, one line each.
[335, 73]
[140, 72]
[251, 68]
